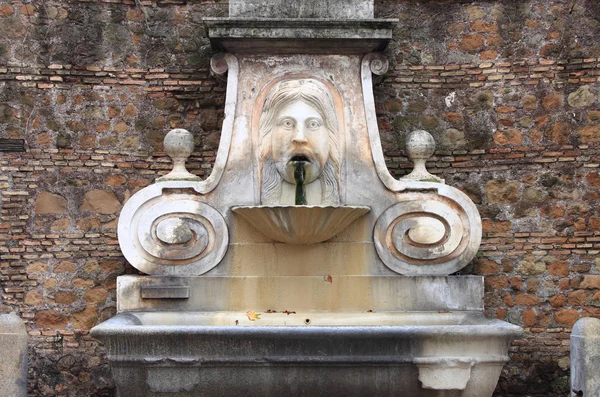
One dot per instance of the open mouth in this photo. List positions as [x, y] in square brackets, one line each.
[298, 158]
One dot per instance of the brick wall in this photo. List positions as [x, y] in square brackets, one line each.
[509, 90]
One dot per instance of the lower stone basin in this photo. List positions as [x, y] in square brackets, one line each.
[306, 353]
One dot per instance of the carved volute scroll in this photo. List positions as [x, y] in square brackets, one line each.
[428, 232]
[172, 233]
[434, 229]
[166, 228]
[298, 133]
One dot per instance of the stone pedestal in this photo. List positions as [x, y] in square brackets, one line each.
[585, 358]
[13, 348]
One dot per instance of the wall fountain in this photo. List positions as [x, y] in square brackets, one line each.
[300, 266]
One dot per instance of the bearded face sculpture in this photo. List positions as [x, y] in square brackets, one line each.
[298, 124]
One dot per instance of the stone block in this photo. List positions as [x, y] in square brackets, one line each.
[585, 357]
[581, 98]
[338, 9]
[50, 203]
[100, 201]
[345, 293]
[589, 134]
[49, 319]
[13, 366]
[552, 101]
[86, 318]
[502, 191]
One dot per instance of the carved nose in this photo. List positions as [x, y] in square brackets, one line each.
[299, 136]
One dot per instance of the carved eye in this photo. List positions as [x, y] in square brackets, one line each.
[287, 123]
[313, 124]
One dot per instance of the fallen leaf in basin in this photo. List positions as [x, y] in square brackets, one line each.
[252, 315]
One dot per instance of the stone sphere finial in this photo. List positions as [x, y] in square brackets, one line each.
[420, 146]
[179, 145]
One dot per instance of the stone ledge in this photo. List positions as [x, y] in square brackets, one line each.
[424, 293]
[314, 36]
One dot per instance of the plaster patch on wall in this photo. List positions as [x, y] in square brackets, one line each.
[450, 99]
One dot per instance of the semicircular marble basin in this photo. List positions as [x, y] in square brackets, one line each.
[301, 224]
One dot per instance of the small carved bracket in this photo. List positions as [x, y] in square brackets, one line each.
[379, 63]
[219, 66]
[445, 375]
